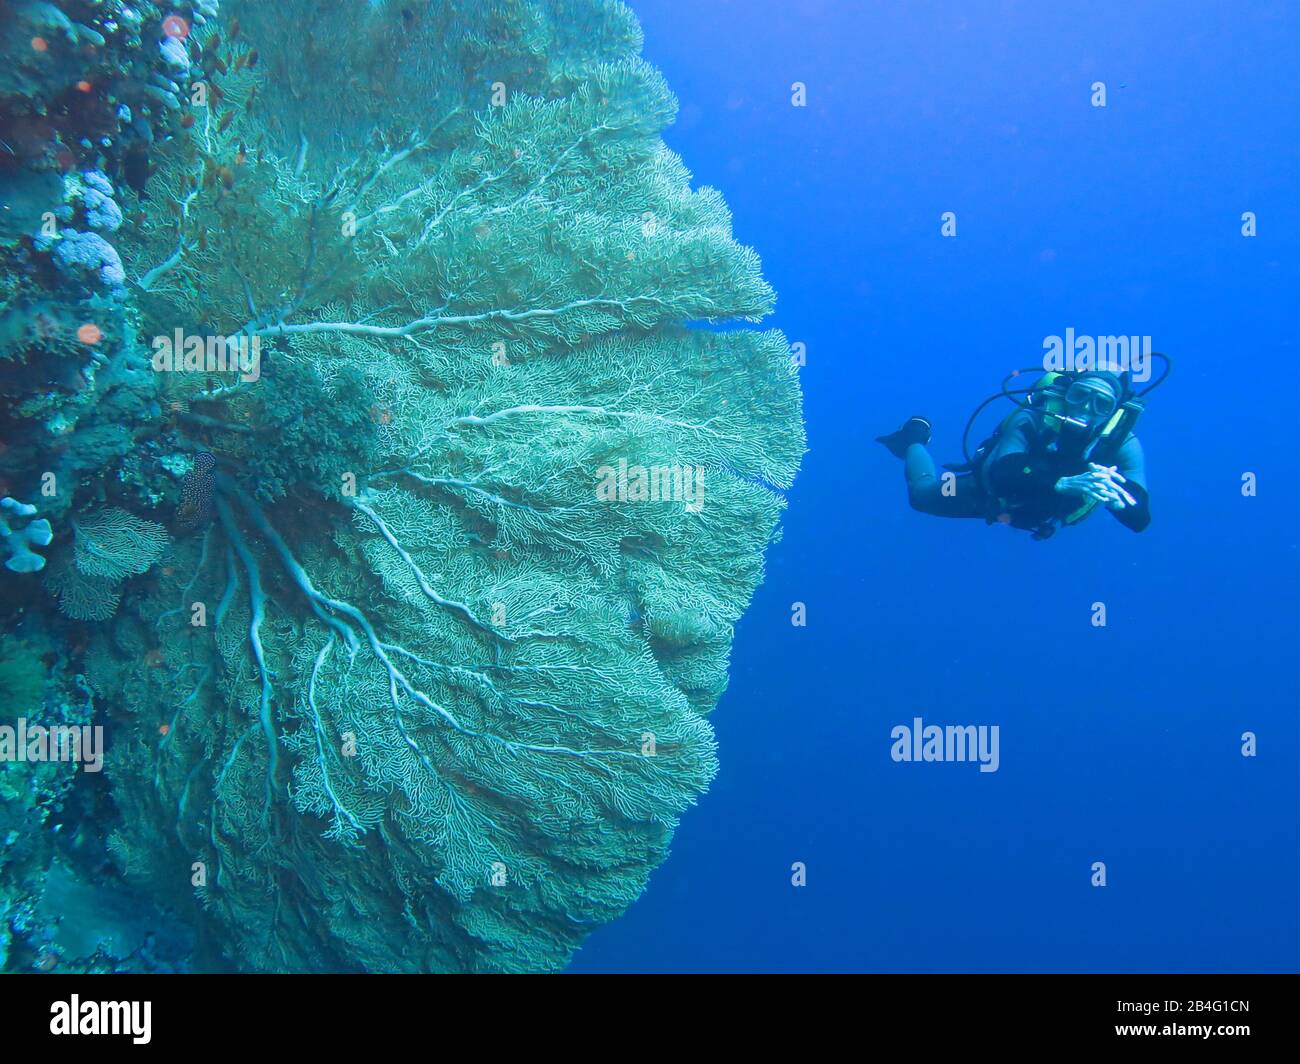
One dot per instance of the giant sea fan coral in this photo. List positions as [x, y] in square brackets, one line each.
[430, 703]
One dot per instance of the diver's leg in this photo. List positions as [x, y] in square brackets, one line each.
[959, 496]
[926, 492]
[923, 489]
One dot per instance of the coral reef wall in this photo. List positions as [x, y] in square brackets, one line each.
[405, 564]
[87, 89]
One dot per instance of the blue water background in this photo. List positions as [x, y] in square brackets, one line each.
[1119, 744]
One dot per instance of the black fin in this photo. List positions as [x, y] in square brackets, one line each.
[914, 430]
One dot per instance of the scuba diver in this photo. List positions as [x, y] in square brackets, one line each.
[1067, 450]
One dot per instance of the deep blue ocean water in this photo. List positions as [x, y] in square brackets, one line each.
[1119, 744]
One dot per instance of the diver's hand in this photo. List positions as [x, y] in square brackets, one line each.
[1100, 484]
[1116, 479]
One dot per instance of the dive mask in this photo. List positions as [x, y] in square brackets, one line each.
[1098, 402]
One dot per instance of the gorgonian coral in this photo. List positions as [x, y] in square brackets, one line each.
[421, 696]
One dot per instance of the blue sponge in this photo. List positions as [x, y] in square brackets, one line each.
[22, 559]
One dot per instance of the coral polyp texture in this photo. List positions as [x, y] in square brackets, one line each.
[462, 493]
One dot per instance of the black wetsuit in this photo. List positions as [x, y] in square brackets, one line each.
[1015, 482]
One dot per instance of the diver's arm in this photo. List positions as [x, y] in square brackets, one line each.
[1132, 464]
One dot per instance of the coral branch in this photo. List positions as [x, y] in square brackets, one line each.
[435, 321]
[257, 607]
[398, 681]
[458, 607]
